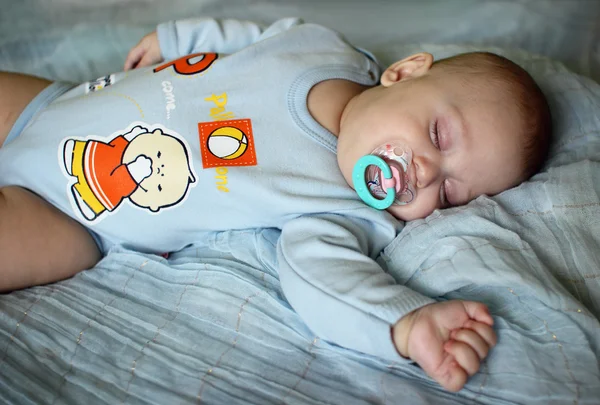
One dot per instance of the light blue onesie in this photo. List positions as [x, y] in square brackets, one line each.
[154, 158]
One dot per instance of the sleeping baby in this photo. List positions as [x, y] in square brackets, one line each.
[219, 125]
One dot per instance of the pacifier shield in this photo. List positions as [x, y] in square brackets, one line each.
[385, 178]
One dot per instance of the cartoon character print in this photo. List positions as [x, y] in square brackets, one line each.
[147, 165]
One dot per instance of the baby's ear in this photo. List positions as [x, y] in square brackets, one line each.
[414, 66]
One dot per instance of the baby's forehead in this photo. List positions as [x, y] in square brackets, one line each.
[486, 99]
[491, 81]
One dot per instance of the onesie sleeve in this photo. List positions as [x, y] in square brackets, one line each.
[329, 276]
[184, 37]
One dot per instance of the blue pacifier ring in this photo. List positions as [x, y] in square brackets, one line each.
[360, 183]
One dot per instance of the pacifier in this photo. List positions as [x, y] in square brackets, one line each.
[382, 179]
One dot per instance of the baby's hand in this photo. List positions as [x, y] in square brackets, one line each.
[447, 339]
[145, 53]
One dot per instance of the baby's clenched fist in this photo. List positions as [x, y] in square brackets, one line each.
[447, 339]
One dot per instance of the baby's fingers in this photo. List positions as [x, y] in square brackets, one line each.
[450, 374]
[485, 331]
[145, 53]
[478, 312]
[473, 339]
[465, 356]
[147, 60]
[133, 57]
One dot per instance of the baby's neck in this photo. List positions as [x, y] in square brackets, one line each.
[328, 99]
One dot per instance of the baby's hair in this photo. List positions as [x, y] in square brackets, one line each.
[531, 102]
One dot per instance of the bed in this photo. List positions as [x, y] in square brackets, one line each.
[211, 325]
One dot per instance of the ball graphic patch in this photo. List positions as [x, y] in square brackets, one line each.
[227, 143]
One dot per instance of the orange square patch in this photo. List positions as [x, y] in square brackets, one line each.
[227, 143]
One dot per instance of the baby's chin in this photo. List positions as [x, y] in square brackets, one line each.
[402, 213]
[398, 217]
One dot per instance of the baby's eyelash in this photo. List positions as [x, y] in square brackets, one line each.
[443, 195]
[434, 135]
[445, 189]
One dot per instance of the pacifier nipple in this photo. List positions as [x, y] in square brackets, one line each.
[381, 179]
[396, 182]
[389, 183]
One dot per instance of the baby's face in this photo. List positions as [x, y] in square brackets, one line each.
[465, 138]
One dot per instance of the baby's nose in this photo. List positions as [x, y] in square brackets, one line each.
[426, 171]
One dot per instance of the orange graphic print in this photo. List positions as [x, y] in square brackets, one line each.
[227, 143]
[184, 66]
[107, 177]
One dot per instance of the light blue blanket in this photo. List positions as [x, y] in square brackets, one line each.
[210, 325]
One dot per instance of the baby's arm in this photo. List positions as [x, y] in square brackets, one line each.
[328, 274]
[344, 296]
[447, 339]
[175, 39]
